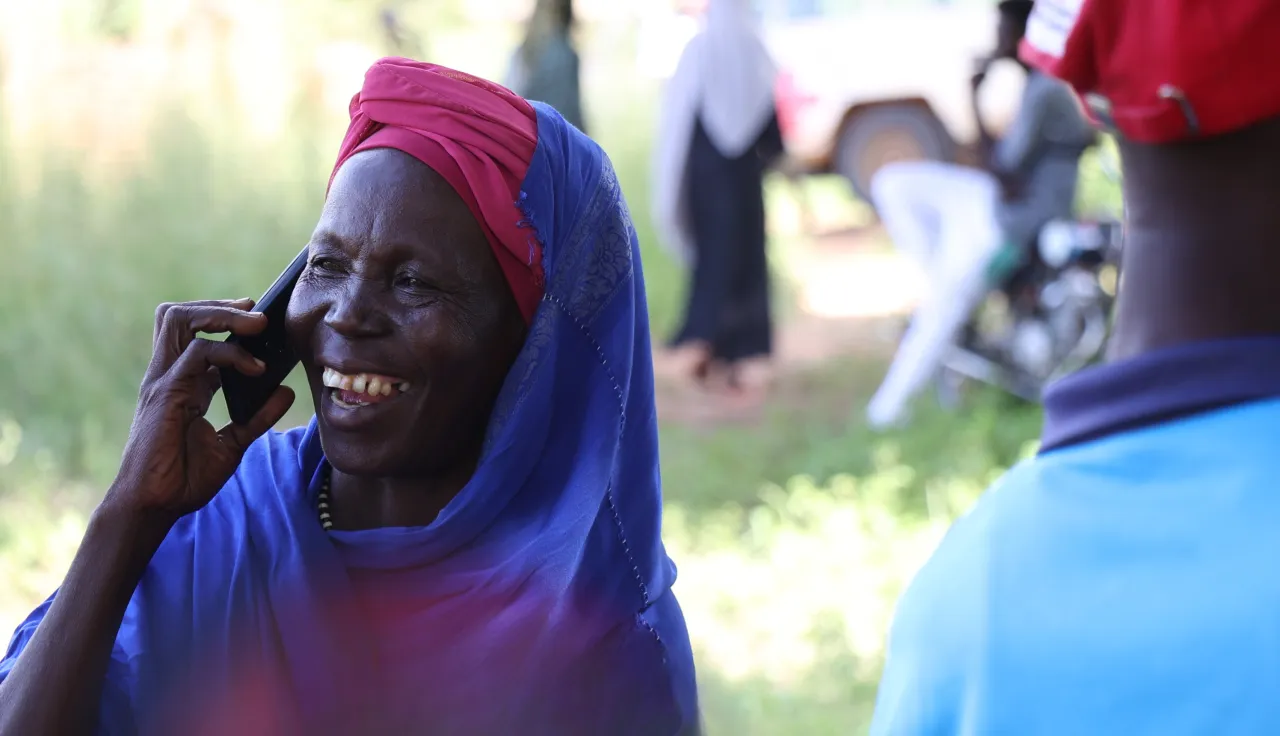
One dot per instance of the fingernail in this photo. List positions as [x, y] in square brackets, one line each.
[259, 363]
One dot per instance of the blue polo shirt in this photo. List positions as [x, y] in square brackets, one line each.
[1124, 581]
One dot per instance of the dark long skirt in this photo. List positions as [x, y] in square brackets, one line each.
[728, 301]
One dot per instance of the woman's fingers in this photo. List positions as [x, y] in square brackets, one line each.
[162, 310]
[212, 382]
[193, 378]
[222, 319]
[180, 323]
[237, 438]
[201, 354]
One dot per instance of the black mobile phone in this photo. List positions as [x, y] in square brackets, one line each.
[245, 395]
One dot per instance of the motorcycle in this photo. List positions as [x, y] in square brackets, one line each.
[1049, 318]
[1051, 315]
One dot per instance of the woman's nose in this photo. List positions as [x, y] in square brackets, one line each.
[356, 310]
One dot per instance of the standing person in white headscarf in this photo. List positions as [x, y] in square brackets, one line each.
[718, 134]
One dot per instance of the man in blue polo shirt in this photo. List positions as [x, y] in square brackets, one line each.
[1127, 579]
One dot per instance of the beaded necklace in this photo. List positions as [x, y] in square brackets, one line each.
[323, 503]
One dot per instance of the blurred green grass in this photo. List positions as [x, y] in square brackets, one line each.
[793, 533]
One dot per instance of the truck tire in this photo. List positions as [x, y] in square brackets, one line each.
[880, 135]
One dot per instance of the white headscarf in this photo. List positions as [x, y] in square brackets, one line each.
[725, 78]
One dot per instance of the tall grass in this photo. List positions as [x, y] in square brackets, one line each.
[89, 265]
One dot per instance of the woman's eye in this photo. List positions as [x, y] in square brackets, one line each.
[410, 282]
[325, 265]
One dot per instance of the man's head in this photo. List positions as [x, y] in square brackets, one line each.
[1012, 27]
[1188, 87]
[1163, 71]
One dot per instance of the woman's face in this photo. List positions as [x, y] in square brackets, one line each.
[403, 320]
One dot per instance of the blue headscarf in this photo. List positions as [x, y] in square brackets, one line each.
[539, 601]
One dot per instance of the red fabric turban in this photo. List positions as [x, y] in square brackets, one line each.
[476, 134]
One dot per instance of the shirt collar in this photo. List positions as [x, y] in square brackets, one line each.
[1159, 386]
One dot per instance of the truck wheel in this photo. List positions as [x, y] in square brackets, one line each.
[872, 138]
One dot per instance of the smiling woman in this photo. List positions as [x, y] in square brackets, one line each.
[404, 305]
[461, 541]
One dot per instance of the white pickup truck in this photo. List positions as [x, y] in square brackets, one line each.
[860, 88]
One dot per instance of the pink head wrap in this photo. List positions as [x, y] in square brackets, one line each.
[478, 135]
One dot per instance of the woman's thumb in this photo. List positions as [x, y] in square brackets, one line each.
[238, 437]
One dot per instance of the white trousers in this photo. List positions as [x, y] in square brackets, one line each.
[942, 216]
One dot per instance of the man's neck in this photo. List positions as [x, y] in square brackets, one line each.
[1202, 242]
[1171, 294]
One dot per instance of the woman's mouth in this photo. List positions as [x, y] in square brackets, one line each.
[361, 389]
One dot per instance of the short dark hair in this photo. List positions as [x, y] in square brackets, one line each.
[1016, 10]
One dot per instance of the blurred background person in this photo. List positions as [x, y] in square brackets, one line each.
[718, 135]
[546, 67]
[955, 220]
[401, 40]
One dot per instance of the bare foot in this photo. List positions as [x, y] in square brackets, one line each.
[684, 362]
[755, 375]
[742, 386]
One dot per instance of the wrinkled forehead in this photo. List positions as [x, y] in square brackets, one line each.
[386, 190]
[378, 173]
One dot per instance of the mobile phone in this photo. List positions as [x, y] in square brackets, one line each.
[245, 395]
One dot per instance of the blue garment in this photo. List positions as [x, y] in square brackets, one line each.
[539, 602]
[1122, 582]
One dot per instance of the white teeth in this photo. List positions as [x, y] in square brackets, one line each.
[362, 383]
[334, 379]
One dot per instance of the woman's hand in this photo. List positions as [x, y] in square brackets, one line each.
[175, 461]
[173, 464]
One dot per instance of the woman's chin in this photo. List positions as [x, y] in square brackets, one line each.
[356, 460]
[370, 452]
